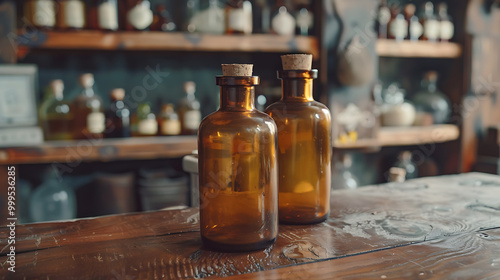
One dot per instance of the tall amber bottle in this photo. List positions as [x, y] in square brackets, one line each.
[304, 145]
[238, 168]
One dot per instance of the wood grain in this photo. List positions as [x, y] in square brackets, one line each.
[101, 150]
[391, 48]
[178, 41]
[405, 136]
[364, 222]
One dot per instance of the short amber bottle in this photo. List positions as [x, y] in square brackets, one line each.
[304, 150]
[238, 171]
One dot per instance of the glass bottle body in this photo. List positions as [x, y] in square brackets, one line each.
[239, 17]
[304, 150]
[144, 121]
[430, 23]
[430, 100]
[89, 120]
[189, 110]
[106, 15]
[139, 15]
[72, 14]
[446, 26]
[238, 171]
[41, 13]
[169, 121]
[117, 119]
[57, 120]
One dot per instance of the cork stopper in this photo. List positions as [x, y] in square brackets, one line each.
[87, 80]
[237, 70]
[117, 94]
[189, 87]
[297, 61]
[57, 88]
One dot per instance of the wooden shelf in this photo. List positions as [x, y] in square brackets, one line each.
[406, 136]
[391, 48]
[175, 41]
[101, 150]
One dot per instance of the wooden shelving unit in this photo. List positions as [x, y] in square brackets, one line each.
[175, 41]
[423, 49]
[405, 136]
[101, 150]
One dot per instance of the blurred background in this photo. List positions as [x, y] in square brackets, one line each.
[100, 100]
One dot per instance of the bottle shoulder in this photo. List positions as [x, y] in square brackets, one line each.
[283, 108]
[236, 120]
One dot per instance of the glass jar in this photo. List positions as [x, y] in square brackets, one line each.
[169, 121]
[430, 100]
[144, 122]
[238, 171]
[304, 150]
[239, 17]
[139, 15]
[396, 111]
[72, 14]
[41, 13]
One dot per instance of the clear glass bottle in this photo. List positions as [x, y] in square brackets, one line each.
[117, 116]
[305, 21]
[283, 23]
[430, 100]
[239, 17]
[169, 121]
[210, 20]
[383, 18]
[304, 147]
[139, 15]
[55, 114]
[52, 200]
[89, 120]
[189, 110]
[430, 23]
[405, 162]
[162, 20]
[342, 178]
[415, 29]
[72, 14]
[238, 170]
[446, 26]
[144, 121]
[41, 13]
[398, 27]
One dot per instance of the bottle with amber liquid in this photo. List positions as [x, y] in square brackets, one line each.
[239, 17]
[89, 120]
[169, 121]
[189, 110]
[117, 116]
[238, 168]
[304, 145]
[55, 114]
[144, 122]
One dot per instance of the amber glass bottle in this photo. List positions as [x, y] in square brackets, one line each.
[238, 169]
[304, 147]
[89, 120]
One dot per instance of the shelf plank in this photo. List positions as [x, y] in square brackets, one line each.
[405, 136]
[175, 41]
[101, 150]
[391, 48]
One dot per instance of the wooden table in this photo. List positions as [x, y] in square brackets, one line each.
[432, 228]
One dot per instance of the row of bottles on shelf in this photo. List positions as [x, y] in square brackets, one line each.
[284, 17]
[85, 116]
[428, 106]
[402, 23]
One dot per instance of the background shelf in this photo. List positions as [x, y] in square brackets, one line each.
[101, 150]
[175, 41]
[391, 48]
[406, 136]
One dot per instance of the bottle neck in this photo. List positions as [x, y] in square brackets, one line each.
[297, 84]
[237, 93]
[89, 91]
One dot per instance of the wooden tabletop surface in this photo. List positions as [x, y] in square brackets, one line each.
[444, 227]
